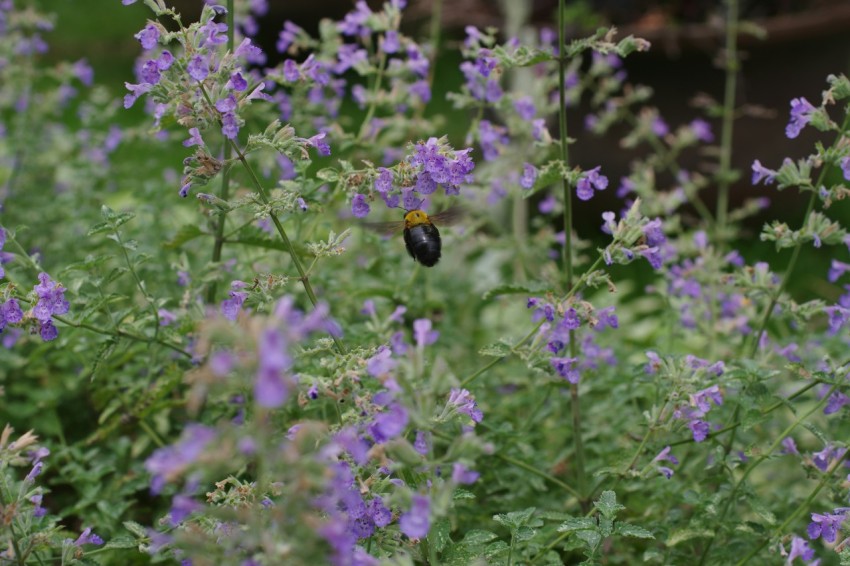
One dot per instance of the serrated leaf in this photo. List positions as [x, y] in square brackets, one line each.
[440, 534]
[328, 175]
[98, 228]
[515, 519]
[525, 533]
[462, 494]
[628, 530]
[115, 219]
[184, 234]
[577, 524]
[683, 535]
[496, 350]
[261, 243]
[136, 529]
[548, 174]
[122, 541]
[495, 549]
[607, 504]
[477, 537]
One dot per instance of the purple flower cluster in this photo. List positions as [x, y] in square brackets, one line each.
[700, 404]
[287, 327]
[559, 322]
[589, 181]
[482, 79]
[430, 165]
[51, 302]
[636, 236]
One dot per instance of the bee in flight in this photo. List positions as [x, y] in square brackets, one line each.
[421, 236]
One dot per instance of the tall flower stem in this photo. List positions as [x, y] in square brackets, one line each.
[305, 280]
[225, 175]
[724, 175]
[568, 237]
[795, 254]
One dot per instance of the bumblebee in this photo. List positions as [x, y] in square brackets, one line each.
[421, 236]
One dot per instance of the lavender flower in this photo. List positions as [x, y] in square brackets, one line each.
[589, 181]
[230, 307]
[826, 525]
[462, 401]
[416, 522]
[165, 464]
[801, 114]
[359, 207]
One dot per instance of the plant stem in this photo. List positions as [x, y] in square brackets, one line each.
[575, 405]
[225, 175]
[732, 64]
[139, 283]
[765, 455]
[305, 281]
[531, 469]
[800, 509]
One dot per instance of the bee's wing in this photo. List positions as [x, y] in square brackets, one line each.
[385, 228]
[449, 216]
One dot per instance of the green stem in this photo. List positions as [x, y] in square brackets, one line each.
[138, 280]
[724, 174]
[575, 405]
[765, 455]
[539, 473]
[218, 244]
[305, 281]
[123, 334]
[839, 463]
[373, 103]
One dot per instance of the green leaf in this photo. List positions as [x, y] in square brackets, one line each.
[122, 541]
[328, 174]
[184, 234]
[136, 529]
[99, 228]
[115, 219]
[628, 530]
[683, 535]
[477, 537]
[496, 350]
[440, 534]
[525, 533]
[575, 524]
[462, 494]
[607, 504]
[515, 519]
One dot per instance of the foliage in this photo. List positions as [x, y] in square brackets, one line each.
[254, 374]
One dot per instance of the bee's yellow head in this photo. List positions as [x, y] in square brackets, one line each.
[415, 218]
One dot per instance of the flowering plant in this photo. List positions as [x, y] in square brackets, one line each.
[220, 365]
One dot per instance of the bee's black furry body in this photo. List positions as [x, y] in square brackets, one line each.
[423, 243]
